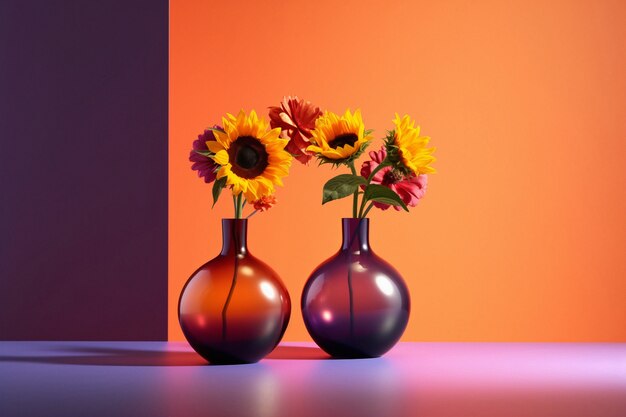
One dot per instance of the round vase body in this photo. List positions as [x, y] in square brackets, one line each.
[355, 304]
[234, 308]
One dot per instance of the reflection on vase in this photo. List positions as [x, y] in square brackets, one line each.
[355, 304]
[234, 308]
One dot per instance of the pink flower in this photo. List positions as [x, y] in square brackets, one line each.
[296, 118]
[410, 189]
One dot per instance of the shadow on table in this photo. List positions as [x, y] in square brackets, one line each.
[298, 352]
[110, 356]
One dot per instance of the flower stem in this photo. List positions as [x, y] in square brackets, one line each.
[355, 200]
[368, 209]
[361, 209]
[239, 202]
[383, 164]
[252, 214]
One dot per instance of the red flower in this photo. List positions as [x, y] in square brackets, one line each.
[264, 203]
[410, 189]
[296, 118]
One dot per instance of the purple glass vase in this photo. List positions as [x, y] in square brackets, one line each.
[355, 304]
[234, 308]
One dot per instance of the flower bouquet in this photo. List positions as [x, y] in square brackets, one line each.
[235, 308]
[355, 304]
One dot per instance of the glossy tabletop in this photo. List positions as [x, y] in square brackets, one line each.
[298, 379]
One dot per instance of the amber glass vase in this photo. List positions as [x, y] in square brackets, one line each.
[355, 304]
[234, 308]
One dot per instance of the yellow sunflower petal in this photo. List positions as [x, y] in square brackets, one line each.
[224, 171]
[333, 154]
[222, 138]
[214, 146]
[221, 157]
[411, 147]
[313, 148]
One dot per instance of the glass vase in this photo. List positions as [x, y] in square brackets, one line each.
[234, 308]
[355, 304]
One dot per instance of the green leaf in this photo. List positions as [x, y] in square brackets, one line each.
[382, 194]
[218, 186]
[204, 153]
[341, 186]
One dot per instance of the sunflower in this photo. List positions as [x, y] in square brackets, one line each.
[407, 150]
[251, 157]
[339, 139]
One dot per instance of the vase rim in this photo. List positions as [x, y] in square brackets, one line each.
[362, 220]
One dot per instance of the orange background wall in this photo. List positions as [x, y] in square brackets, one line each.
[522, 233]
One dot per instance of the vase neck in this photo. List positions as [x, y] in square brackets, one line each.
[355, 234]
[234, 236]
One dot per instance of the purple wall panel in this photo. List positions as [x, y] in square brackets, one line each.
[83, 169]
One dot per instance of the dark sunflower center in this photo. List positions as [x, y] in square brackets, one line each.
[392, 177]
[342, 140]
[248, 157]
